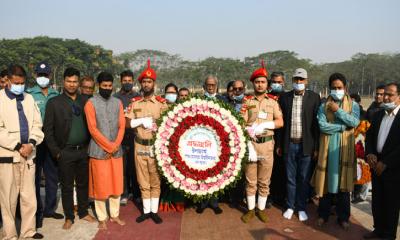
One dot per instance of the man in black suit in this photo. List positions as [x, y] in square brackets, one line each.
[67, 137]
[298, 141]
[383, 156]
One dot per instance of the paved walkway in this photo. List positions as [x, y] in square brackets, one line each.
[190, 225]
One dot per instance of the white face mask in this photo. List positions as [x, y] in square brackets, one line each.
[43, 82]
[171, 97]
[389, 106]
[337, 94]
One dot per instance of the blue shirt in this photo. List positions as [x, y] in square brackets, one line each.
[342, 121]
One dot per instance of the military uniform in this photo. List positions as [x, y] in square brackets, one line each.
[145, 163]
[256, 111]
[258, 173]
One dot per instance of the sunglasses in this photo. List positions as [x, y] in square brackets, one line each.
[237, 89]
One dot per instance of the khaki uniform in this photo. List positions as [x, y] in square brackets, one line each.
[145, 163]
[258, 174]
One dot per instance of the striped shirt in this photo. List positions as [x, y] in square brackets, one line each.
[296, 123]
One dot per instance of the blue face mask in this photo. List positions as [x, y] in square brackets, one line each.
[389, 106]
[238, 98]
[210, 95]
[299, 86]
[17, 89]
[171, 97]
[337, 94]
[276, 87]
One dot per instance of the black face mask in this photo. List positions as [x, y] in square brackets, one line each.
[105, 93]
[127, 87]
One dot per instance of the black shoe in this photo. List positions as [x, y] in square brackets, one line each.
[156, 218]
[357, 200]
[200, 210]
[54, 215]
[143, 217]
[217, 210]
[37, 236]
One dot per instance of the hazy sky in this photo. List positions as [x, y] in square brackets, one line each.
[324, 31]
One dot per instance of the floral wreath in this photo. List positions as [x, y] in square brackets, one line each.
[196, 173]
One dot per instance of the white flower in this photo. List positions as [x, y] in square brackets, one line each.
[176, 184]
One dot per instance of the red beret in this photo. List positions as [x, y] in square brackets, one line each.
[261, 72]
[148, 73]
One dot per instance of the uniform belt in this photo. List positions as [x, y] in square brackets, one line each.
[264, 139]
[145, 142]
[75, 147]
[296, 140]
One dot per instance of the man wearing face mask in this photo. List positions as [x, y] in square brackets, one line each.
[238, 89]
[277, 82]
[334, 174]
[106, 122]
[141, 116]
[278, 179]
[383, 155]
[42, 93]
[20, 132]
[210, 87]
[297, 142]
[130, 182]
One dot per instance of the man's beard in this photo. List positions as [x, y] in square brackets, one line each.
[148, 92]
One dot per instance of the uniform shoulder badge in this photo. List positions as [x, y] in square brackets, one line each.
[135, 99]
[161, 99]
[248, 97]
[274, 97]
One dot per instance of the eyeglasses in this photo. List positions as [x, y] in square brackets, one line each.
[76, 110]
[237, 89]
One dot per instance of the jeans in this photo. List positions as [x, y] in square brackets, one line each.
[298, 172]
[46, 163]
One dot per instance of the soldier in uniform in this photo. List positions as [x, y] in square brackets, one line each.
[262, 115]
[141, 115]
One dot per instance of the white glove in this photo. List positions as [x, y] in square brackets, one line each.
[141, 121]
[148, 123]
[252, 152]
[260, 128]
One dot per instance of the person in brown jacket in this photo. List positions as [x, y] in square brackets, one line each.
[20, 132]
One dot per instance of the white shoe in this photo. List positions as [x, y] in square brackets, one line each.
[288, 213]
[303, 216]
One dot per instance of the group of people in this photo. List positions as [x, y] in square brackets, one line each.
[100, 146]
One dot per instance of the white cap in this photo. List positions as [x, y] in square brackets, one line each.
[300, 72]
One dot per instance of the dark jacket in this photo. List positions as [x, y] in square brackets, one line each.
[373, 108]
[57, 122]
[390, 154]
[310, 129]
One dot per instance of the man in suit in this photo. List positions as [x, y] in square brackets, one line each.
[67, 137]
[298, 141]
[383, 156]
